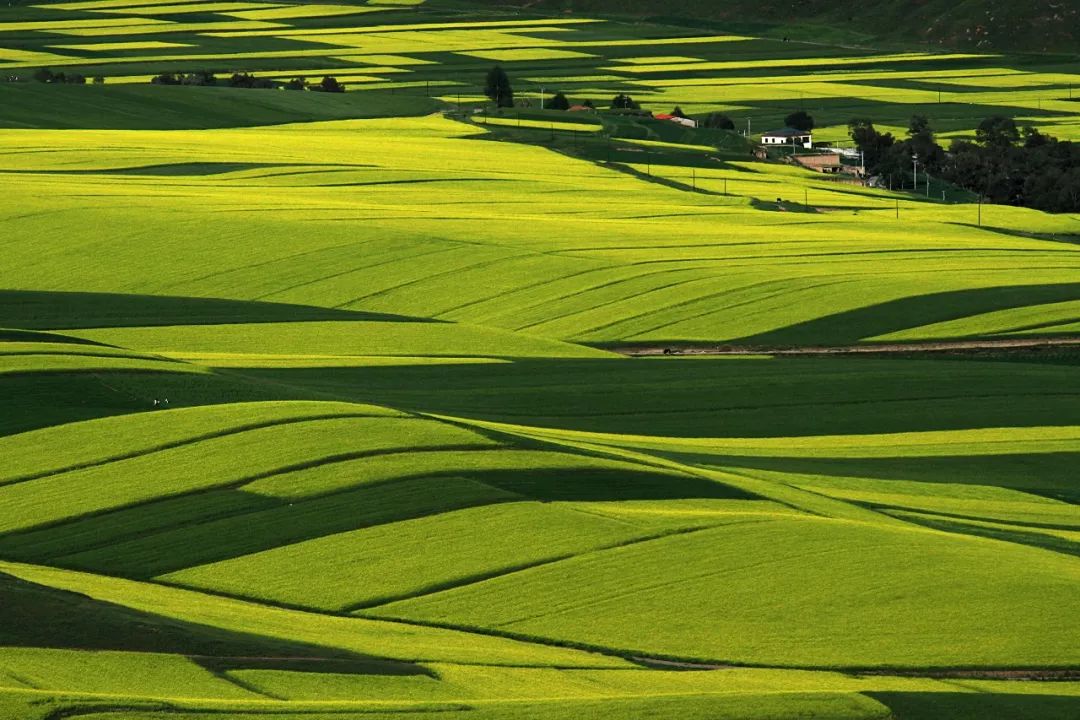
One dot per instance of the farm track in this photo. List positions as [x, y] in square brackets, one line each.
[949, 346]
[1038, 674]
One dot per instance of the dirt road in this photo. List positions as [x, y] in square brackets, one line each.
[950, 346]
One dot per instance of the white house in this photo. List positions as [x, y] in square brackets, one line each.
[788, 136]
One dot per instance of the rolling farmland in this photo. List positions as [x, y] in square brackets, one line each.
[319, 405]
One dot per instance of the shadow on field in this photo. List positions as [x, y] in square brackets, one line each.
[317, 665]
[866, 322]
[40, 616]
[688, 397]
[167, 170]
[1018, 534]
[42, 310]
[171, 534]
[978, 706]
[144, 106]
[1050, 474]
[32, 336]
[38, 400]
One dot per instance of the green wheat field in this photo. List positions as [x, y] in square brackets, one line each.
[317, 406]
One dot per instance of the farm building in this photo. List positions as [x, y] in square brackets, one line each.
[687, 122]
[788, 136]
[828, 164]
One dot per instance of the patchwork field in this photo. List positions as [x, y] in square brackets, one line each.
[319, 405]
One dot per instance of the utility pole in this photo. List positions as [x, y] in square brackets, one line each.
[541, 97]
[915, 172]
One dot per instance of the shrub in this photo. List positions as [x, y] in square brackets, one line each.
[559, 102]
[800, 120]
[498, 88]
[329, 84]
[718, 121]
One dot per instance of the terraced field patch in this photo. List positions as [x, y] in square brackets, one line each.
[766, 567]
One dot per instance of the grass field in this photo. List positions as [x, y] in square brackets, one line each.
[315, 404]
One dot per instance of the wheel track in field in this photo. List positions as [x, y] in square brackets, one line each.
[1039, 674]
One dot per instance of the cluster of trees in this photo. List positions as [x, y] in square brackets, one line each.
[328, 84]
[1005, 164]
[201, 78]
[45, 75]
[894, 158]
[246, 80]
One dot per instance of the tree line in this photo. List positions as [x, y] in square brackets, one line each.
[499, 89]
[45, 75]
[198, 78]
[247, 80]
[1005, 164]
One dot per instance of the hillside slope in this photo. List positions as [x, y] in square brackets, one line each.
[1033, 25]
